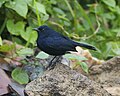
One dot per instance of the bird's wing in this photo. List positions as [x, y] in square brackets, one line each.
[59, 44]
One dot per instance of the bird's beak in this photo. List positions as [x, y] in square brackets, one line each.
[36, 29]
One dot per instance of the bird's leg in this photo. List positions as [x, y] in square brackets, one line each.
[57, 59]
[54, 63]
[50, 64]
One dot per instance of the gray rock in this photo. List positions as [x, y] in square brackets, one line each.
[108, 74]
[63, 81]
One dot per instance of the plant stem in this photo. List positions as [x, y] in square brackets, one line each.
[70, 8]
[73, 15]
[84, 15]
[3, 26]
[37, 13]
[28, 41]
[60, 27]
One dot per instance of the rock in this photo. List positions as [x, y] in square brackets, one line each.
[108, 74]
[63, 81]
[115, 91]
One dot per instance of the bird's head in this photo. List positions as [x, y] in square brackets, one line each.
[41, 28]
[44, 30]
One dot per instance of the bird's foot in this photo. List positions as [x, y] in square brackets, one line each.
[52, 63]
[51, 66]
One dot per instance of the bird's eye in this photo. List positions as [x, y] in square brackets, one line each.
[42, 29]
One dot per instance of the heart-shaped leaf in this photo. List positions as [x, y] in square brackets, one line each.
[40, 7]
[20, 76]
[15, 29]
[20, 6]
[29, 35]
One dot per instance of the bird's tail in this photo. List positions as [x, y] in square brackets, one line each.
[86, 46]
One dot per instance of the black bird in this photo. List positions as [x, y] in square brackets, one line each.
[55, 43]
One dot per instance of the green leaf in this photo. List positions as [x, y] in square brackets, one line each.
[117, 31]
[7, 48]
[20, 76]
[29, 35]
[40, 7]
[10, 27]
[87, 18]
[117, 9]
[2, 2]
[112, 49]
[29, 2]
[25, 52]
[1, 41]
[110, 16]
[42, 55]
[73, 56]
[15, 29]
[20, 6]
[53, 1]
[115, 46]
[110, 3]
[58, 10]
[44, 17]
[118, 34]
[116, 51]
[84, 66]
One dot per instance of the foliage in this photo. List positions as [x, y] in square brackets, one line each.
[20, 76]
[84, 66]
[92, 21]
[99, 23]
[6, 48]
[42, 55]
[72, 56]
[79, 59]
[25, 52]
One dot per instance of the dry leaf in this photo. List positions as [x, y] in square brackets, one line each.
[4, 81]
[17, 88]
[5, 65]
